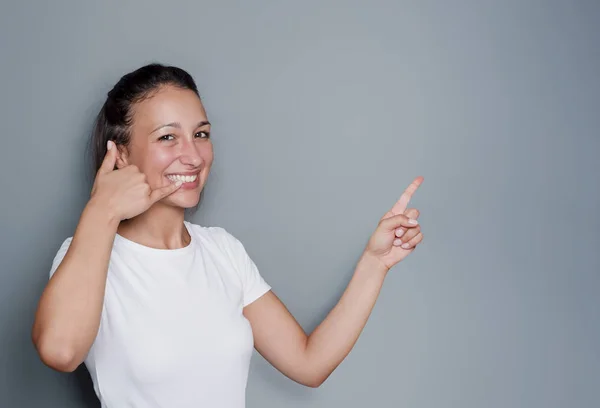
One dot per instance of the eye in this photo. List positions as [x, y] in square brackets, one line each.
[166, 137]
[203, 135]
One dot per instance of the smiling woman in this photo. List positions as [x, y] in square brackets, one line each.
[164, 312]
[158, 123]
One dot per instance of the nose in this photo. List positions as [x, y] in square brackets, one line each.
[190, 154]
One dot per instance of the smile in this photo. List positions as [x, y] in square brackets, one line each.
[185, 179]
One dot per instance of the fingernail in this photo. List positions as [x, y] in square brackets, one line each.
[399, 232]
[413, 222]
[397, 242]
[406, 245]
[109, 145]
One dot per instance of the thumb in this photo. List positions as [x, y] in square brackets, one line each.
[162, 192]
[108, 164]
[397, 221]
[410, 213]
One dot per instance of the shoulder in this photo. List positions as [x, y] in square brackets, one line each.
[224, 243]
[218, 236]
[221, 242]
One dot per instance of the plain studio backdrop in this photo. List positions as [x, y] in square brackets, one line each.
[323, 112]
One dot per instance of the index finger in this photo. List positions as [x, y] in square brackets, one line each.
[404, 199]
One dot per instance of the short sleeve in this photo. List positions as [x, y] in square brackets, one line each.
[254, 285]
[62, 251]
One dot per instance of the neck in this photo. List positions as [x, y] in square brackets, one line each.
[161, 227]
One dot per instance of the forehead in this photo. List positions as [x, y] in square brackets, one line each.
[169, 104]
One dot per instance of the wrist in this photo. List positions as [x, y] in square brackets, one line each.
[102, 212]
[372, 264]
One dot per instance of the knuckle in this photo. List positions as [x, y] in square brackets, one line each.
[137, 176]
[411, 213]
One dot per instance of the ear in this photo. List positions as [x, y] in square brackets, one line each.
[122, 157]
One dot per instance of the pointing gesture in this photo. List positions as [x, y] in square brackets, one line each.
[124, 192]
[398, 231]
[404, 199]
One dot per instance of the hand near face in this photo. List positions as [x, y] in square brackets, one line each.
[398, 232]
[124, 193]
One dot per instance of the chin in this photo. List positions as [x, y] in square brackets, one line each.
[185, 202]
[185, 198]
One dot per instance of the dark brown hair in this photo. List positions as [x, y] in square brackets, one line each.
[115, 118]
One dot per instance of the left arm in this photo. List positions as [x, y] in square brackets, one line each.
[309, 360]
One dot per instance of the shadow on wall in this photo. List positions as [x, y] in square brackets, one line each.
[20, 368]
[86, 388]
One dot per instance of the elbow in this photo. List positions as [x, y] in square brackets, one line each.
[58, 358]
[314, 380]
[55, 355]
[314, 383]
[313, 375]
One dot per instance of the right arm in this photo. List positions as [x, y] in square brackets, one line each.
[68, 314]
[69, 310]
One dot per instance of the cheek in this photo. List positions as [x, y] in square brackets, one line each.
[157, 162]
[207, 155]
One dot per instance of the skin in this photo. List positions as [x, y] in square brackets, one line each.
[133, 195]
[170, 135]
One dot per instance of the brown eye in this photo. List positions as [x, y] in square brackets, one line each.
[203, 135]
[166, 137]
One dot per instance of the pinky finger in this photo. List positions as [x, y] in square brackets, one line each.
[413, 242]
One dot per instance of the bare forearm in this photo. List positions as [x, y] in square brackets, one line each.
[333, 339]
[309, 360]
[68, 314]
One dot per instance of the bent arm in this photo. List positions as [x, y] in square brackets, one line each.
[309, 360]
[69, 310]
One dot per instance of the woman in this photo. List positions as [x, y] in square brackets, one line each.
[163, 312]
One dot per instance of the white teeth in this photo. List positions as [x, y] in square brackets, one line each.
[179, 177]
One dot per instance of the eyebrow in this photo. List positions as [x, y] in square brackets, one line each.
[178, 125]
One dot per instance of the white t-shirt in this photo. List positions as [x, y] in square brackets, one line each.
[172, 333]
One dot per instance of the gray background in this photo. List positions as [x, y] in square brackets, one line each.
[323, 112]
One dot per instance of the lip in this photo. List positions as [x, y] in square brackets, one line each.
[192, 185]
[187, 185]
[184, 173]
